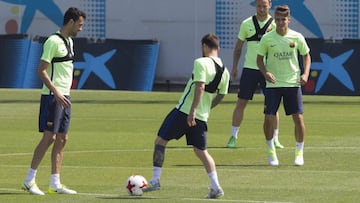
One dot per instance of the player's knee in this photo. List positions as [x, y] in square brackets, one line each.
[61, 138]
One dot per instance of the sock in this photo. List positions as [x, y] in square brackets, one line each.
[31, 175]
[54, 180]
[214, 181]
[300, 146]
[270, 144]
[234, 131]
[156, 174]
[276, 132]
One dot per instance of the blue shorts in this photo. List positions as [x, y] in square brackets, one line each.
[175, 126]
[292, 100]
[250, 80]
[53, 117]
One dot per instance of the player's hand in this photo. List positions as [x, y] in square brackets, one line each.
[63, 101]
[234, 73]
[270, 77]
[191, 120]
[303, 80]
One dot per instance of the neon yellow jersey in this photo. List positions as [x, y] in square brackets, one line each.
[282, 57]
[62, 73]
[247, 29]
[204, 71]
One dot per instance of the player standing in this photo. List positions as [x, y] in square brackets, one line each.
[56, 72]
[284, 80]
[251, 31]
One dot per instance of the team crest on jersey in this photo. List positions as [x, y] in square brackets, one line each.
[292, 44]
[50, 124]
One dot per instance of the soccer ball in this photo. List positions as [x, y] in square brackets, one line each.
[135, 184]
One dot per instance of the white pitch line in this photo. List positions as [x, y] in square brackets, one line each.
[155, 197]
[266, 169]
[181, 149]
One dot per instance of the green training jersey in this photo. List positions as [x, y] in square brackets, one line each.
[204, 71]
[247, 29]
[61, 74]
[282, 57]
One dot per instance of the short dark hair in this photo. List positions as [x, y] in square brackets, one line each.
[283, 10]
[268, 0]
[211, 40]
[73, 13]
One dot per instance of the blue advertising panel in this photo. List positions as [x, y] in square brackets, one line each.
[334, 67]
[115, 64]
[107, 64]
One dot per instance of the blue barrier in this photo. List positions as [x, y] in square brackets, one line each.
[112, 64]
[13, 59]
[31, 78]
[131, 64]
[101, 64]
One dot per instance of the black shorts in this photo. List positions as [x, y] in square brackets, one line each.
[250, 80]
[53, 117]
[175, 126]
[292, 100]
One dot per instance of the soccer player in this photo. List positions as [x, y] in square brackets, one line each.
[190, 116]
[251, 31]
[284, 80]
[56, 72]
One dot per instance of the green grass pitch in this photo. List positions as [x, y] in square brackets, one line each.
[112, 135]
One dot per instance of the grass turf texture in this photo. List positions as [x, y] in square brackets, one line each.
[112, 134]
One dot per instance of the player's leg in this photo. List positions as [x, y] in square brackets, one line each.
[61, 124]
[269, 123]
[277, 143]
[299, 137]
[237, 118]
[40, 150]
[57, 154]
[197, 137]
[294, 106]
[272, 102]
[173, 127]
[247, 87]
[158, 161]
[46, 115]
[276, 132]
[39, 153]
[209, 164]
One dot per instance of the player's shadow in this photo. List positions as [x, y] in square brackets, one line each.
[223, 165]
[212, 147]
[238, 165]
[13, 193]
[127, 197]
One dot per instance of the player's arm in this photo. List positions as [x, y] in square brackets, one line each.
[199, 91]
[218, 98]
[236, 57]
[267, 75]
[46, 80]
[306, 65]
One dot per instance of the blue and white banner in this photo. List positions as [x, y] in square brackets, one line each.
[41, 17]
[334, 68]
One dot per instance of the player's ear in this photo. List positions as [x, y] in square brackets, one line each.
[71, 20]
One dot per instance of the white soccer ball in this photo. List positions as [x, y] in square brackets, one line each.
[135, 184]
